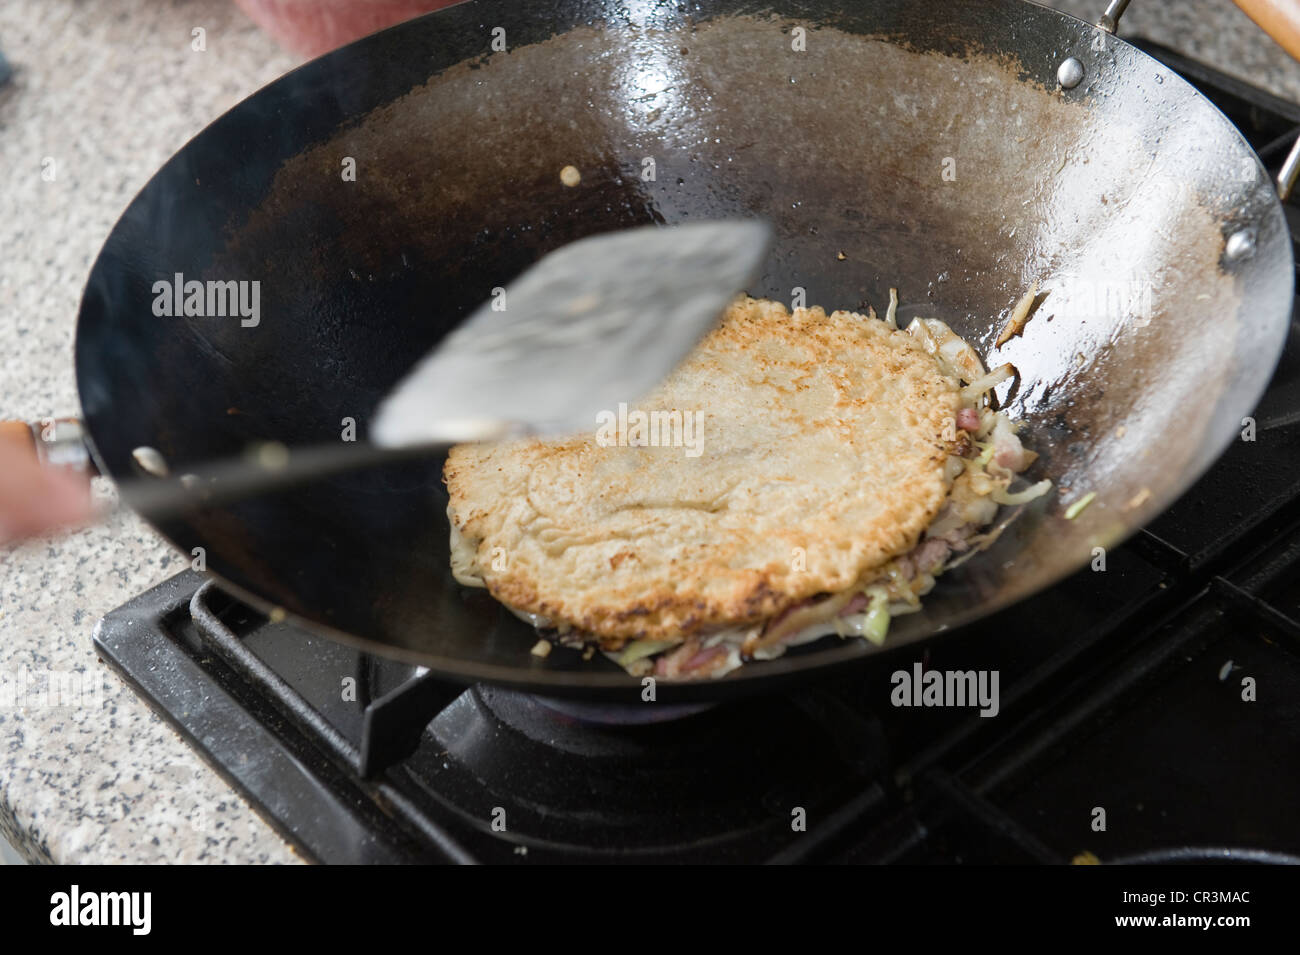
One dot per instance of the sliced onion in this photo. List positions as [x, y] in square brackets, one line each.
[536, 619]
[899, 608]
[918, 330]
[955, 355]
[1002, 496]
[799, 619]
[991, 380]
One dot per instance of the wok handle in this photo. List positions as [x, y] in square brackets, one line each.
[1280, 19]
[1110, 19]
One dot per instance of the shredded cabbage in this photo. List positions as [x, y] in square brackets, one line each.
[640, 649]
[876, 625]
[873, 624]
[1075, 509]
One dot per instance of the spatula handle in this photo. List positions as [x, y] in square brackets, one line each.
[264, 469]
[172, 491]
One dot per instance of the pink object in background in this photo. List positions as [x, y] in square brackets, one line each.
[313, 27]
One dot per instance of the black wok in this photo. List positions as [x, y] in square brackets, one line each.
[927, 148]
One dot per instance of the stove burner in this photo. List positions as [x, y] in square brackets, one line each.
[671, 788]
[621, 714]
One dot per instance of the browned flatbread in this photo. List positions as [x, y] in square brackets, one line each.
[821, 456]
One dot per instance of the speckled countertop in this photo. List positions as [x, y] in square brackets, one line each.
[108, 91]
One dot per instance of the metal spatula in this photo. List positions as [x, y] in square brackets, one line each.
[597, 322]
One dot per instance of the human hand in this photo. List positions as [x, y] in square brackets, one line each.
[34, 498]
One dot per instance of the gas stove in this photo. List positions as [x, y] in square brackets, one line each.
[1167, 697]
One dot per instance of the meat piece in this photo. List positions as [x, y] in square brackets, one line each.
[930, 554]
[1008, 452]
[699, 660]
[856, 605]
[671, 664]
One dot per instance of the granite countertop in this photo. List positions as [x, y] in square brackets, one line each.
[109, 91]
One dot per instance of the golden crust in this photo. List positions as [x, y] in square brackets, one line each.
[822, 453]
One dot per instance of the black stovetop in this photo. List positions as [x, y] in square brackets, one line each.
[1120, 690]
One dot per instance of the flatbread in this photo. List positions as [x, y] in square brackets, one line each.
[819, 456]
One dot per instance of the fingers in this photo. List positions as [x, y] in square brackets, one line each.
[35, 499]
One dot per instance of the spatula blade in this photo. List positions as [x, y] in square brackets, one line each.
[597, 322]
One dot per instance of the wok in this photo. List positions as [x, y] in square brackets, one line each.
[934, 151]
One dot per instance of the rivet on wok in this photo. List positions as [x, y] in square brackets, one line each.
[150, 461]
[1070, 73]
[1241, 245]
